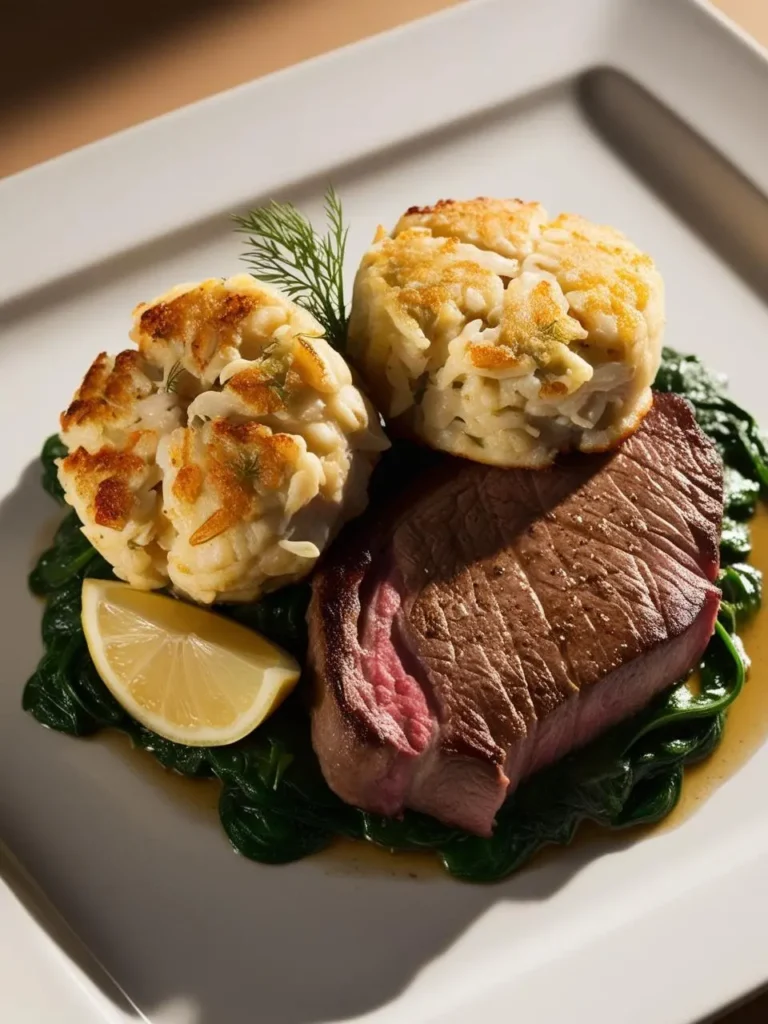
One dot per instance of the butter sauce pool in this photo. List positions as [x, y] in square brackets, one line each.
[746, 727]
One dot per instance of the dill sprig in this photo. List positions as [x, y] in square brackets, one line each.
[284, 249]
[275, 369]
[279, 388]
[171, 382]
[276, 373]
[246, 466]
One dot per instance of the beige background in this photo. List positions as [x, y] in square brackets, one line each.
[73, 72]
[77, 70]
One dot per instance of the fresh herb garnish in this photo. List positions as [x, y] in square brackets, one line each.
[278, 387]
[275, 805]
[246, 466]
[276, 370]
[172, 378]
[284, 249]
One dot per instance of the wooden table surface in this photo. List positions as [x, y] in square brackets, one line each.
[74, 72]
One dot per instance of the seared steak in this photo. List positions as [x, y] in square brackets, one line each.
[497, 619]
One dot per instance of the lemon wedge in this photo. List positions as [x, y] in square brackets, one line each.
[183, 672]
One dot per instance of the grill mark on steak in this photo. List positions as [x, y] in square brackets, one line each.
[482, 625]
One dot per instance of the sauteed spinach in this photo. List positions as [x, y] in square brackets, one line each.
[275, 805]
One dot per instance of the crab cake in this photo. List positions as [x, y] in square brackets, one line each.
[493, 332]
[223, 455]
[110, 477]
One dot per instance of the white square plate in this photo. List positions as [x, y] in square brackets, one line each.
[488, 98]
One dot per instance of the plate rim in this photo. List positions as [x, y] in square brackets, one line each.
[59, 191]
[156, 202]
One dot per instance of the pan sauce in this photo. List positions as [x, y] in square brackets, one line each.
[747, 724]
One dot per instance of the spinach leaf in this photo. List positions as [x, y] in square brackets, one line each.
[66, 693]
[54, 448]
[733, 430]
[282, 616]
[275, 805]
[265, 834]
[741, 494]
[190, 761]
[68, 559]
[742, 587]
[735, 541]
[276, 767]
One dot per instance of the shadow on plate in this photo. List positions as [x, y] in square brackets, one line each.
[207, 229]
[696, 182]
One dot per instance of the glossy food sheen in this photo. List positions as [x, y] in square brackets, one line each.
[496, 619]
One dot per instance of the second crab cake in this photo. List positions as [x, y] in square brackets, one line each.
[492, 331]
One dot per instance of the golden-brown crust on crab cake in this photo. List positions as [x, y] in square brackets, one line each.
[113, 492]
[506, 226]
[104, 480]
[118, 396]
[227, 451]
[202, 327]
[491, 332]
[108, 391]
[410, 300]
[227, 485]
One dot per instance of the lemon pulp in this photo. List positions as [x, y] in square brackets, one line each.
[184, 672]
